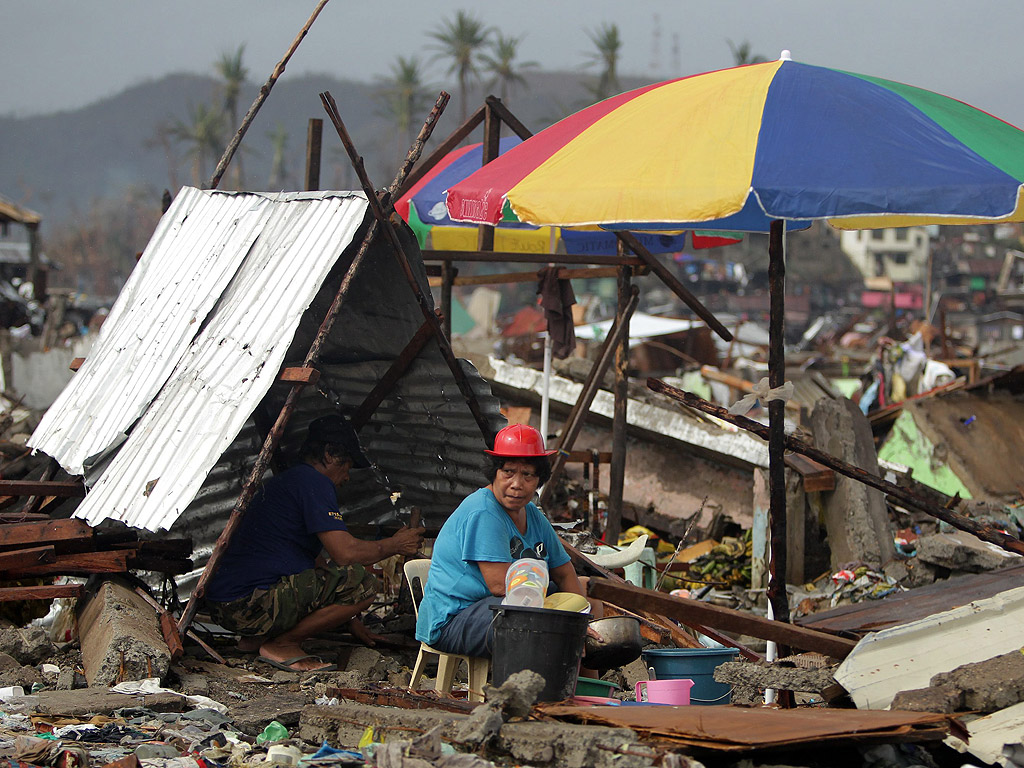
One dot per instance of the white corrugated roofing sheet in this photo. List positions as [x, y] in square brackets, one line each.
[194, 342]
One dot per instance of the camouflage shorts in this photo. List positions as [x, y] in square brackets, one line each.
[280, 607]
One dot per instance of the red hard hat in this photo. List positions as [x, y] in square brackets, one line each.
[518, 441]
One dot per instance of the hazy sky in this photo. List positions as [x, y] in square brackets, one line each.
[59, 54]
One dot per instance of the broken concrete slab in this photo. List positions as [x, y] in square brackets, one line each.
[532, 743]
[28, 645]
[989, 685]
[856, 519]
[934, 698]
[99, 701]
[251, 717]
[960, 551]
[120, 635]
[907, 656]
[764, 676]
[514, 698]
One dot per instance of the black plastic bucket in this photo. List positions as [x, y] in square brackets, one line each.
[548, 642]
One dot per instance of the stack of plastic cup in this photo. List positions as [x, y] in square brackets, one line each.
[526, 583]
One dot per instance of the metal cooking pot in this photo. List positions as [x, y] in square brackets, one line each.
[620, 642]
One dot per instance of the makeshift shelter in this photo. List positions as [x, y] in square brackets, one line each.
[167, 414]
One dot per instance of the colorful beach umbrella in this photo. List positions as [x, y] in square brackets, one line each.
[763, 147]
[423, 208]
[737, 148]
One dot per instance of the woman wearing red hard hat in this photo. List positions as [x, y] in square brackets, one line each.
[490, 529]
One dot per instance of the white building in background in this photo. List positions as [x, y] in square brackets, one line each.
[899, 254]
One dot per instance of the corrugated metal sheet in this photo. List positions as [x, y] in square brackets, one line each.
[195, 251]
[423, 439]
[269, 256]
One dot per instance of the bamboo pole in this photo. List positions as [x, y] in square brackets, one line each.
[261, 97]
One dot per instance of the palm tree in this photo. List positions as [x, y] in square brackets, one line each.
[741, 54]
[278, 172]
[203, 134]
[501, 63]
[404, 97]
[230, 68]
[460, 41]
[608, 43]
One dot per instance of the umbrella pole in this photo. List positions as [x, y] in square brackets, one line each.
[545, 398]
[776, 422]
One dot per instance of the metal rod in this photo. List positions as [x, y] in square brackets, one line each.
[225, 159]
[617, 473]
[777, 422]
[984, 532]
[573, 425]
[277, 430]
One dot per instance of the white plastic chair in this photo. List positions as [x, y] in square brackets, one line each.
[447, 663]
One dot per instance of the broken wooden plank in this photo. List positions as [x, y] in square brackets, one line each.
[816, 477]
[77, 564]
[13, 535]
[299, 375]
[169, 628]
[696, 612]
[172, 566]
[44, 592]
[24, 558]
[62, 488]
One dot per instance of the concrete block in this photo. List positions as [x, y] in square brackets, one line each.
[28, 645]
[120, 636]
[960, 551]
[856, 518]
[935, 698]
[989, 685]
[763, 676]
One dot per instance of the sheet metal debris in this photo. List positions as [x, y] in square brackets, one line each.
[735, 729]
[906, 657]
[201, 329]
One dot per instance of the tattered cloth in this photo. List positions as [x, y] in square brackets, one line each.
[557, 298]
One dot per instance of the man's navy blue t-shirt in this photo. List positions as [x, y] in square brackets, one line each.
[278, 533]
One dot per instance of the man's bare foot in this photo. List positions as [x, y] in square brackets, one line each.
[291, 655]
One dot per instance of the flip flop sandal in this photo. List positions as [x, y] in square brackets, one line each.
[286, 665]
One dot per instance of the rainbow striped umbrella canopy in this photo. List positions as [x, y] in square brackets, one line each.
[740, 147]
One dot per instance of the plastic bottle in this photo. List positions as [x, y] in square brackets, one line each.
[526, 583]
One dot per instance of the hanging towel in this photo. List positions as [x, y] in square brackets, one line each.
[556, 299]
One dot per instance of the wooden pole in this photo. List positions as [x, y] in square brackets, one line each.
[446, 146]
[396, 247]
[491, 149]
[448, 273]
[983, 531]
[283, 417]
[617, 475]
[225, 159]
[674, 284]
[314, 141]
[776, 422]
[577, 416]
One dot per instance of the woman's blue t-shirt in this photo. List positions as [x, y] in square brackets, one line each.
[479, 530]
